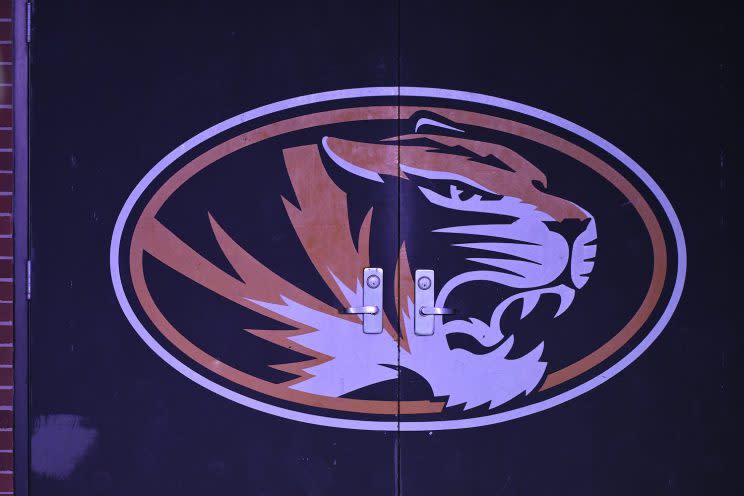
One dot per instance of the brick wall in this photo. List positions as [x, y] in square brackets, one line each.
[6, 247]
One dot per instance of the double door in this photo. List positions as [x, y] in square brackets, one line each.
[368, 249]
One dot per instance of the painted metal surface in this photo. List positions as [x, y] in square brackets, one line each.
[137, 426]
[194, 323]
[665, 413]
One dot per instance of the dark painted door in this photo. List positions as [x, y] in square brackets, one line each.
[606, 194]
[124, 315]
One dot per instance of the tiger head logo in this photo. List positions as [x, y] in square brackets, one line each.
[234, 254]
[524, 248]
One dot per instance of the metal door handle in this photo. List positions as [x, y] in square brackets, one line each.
[424, 319]
[366, 310]
[437, 311]
[371, 302]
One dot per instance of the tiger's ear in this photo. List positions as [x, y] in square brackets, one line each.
[366, 160]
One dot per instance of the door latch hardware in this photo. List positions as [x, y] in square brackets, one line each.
[436, 311]
[371, 311]
[423, 324]
[368, 310]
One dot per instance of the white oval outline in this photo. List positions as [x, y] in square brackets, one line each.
[402, 425]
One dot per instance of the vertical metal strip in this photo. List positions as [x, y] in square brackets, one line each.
[398, 438]
[21, 24]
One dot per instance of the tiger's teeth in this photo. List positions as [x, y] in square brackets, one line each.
[566, 300]
[529, 301]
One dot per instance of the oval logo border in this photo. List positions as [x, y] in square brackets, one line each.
[470, 97]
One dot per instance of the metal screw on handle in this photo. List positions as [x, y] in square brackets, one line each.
[437, 311]
[368, 310]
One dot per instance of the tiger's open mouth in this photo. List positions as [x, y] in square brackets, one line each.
[518, 324]
[508, 322]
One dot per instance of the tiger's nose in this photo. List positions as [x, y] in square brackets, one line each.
[581, 237]
[570, 229]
